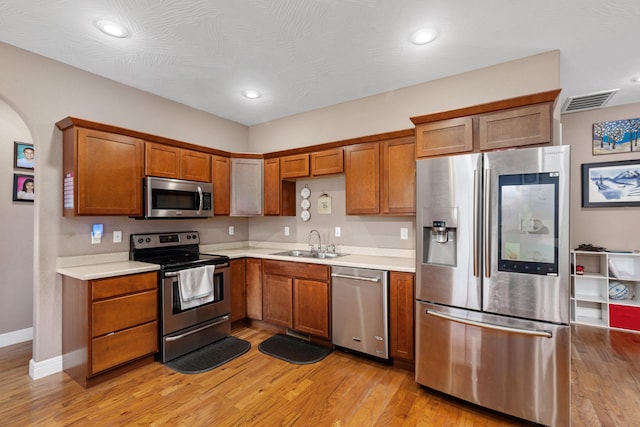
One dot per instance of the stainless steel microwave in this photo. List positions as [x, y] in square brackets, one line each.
[177, 198]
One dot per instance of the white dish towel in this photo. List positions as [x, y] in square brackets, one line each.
[195, 286]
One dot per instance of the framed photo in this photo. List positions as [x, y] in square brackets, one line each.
[611, 184]
[619, 136]
[23, 155]
[23, 188]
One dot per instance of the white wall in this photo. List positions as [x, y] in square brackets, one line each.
[43, 91]
[16, 233]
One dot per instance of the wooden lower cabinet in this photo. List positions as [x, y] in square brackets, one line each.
[297, 296]
[108, 325]
[253, 283]
[238, 290]
[401, 315]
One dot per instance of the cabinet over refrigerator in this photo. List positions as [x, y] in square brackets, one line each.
[493, 280]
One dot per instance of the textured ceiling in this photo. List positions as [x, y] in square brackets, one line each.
[307, 54]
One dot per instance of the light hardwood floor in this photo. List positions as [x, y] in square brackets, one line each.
[342, 390]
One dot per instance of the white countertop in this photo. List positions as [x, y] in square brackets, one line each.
[90, 267]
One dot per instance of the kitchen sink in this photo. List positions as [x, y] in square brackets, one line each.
[309, 254]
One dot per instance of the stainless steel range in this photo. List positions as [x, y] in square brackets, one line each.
[194, 290]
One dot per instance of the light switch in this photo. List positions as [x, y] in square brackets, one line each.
[338, 232]
[286, 231]
[404, 233]
[231, 230]
[117, 236]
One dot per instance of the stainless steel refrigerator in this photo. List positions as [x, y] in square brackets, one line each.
[492, 309]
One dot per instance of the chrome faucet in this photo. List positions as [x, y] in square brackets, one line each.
[319, 241]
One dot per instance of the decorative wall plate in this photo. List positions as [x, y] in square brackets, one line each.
[305, 215]
[305, 204]
[305, 193]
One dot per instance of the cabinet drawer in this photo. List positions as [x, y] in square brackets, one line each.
[120, 313]
[122, 285]
[624, 317]
[124, 346]
[296, 269]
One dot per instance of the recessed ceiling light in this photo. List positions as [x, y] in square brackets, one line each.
[113, 29]
[636, 80]
[424, 36]
[251, 94]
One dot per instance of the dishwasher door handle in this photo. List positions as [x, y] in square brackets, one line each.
[348, 276]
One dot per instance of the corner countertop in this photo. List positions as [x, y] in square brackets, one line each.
[90, 267]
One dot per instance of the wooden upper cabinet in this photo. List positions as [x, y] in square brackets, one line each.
[294, 166]
[515, 127]
[195, 165]
[102, 173]
[327, 162]
[444, 137]
[272, 186]
[362, 178]
[221, 174]
[398, 176]
[172, 162]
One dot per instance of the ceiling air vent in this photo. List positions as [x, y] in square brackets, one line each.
[587, 102]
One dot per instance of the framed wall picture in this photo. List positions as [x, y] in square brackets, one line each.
[23, 156]
[611, 184]
[618, 136]
[23, 188]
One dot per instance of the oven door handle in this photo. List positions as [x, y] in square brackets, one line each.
[223, 319]
[175, 273]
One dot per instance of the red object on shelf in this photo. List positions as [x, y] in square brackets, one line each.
[624, 317]
[579, 269]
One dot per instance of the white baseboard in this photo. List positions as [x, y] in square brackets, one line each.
[43, 368]
[15, 337]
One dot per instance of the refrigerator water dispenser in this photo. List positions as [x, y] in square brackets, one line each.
[439, 236]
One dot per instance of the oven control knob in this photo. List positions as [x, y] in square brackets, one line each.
[140, 240]
[193, 237]
[148, 240]
[188, 236]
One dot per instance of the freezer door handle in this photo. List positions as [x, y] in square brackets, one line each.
[486, 235]
[543, 334]
[476, 219]
[347, 276]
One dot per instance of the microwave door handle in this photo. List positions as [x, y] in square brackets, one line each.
[486, 235]
[199, 200]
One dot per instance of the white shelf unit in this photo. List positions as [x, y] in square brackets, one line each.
[590, 300]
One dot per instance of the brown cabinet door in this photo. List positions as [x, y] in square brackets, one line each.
[362, 178]
[114, 314]
[399, 176]
[195, 166]
[161, 160]
[221, 174]
[515, 127]
[277, 300]
[272, 186]
[311, 301]
[124, 346]
[253, 281]
[444, 137]
[238, 294]
[295, 166]
[108, 175]
[401, 315]
[327, 162]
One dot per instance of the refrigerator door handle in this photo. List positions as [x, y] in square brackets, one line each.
[486, 235]
[476, 219]
[543, 334]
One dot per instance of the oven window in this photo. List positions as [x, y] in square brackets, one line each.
[218, 294]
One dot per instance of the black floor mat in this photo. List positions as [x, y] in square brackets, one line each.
[210, 356]
[293, 350]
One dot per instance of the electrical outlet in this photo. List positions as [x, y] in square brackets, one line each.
[404, 233]
[338, 232]
[286, 231]
[231, 230]
[117, 236]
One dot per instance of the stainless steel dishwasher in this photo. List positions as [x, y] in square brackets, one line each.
[359, 318]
